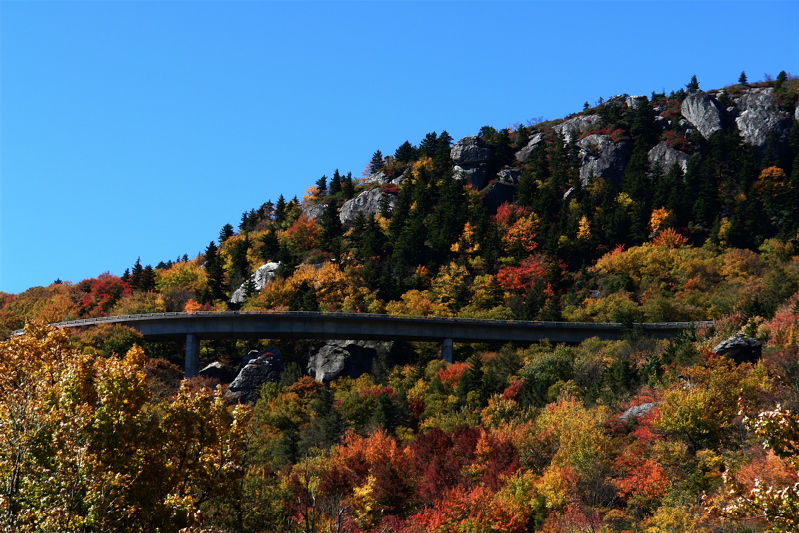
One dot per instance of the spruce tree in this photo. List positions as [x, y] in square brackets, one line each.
[335, 183]
[376, 162]
[406, 153]
[215, 273]
[321, 184]
[225, 233]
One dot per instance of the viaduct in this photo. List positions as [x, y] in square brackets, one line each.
[193, 327]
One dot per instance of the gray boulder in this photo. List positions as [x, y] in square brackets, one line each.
[472, 158]
[573, 127]
[381, 178]
[265, 368]
[263, 275]
[703, 112]
[758, 117]
[667, 157]
[525, 153]
[471, 151]
[314, 212]
[367, 202]
[634, 101]
[344, 358]
[740, 348]
[377, 177]
[601, 157]
[637, 411]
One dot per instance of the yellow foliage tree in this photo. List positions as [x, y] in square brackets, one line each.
[82, 449]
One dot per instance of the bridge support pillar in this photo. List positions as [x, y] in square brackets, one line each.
[192, 356]
[446, 350]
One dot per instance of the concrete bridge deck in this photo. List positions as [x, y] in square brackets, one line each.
[193, 327]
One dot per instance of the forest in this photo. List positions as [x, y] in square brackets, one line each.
[669, 207]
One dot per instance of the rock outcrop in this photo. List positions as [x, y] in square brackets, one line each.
[525, 153]
[703, 112]
[263, 368]
[260, 278]
[472, 157]
[381, 178]
[634, 101]
[758, 118]
[314, 212]
[344, 358]
[368, 203]
[602, 157]
[637, 411]
[573, 127]
[667, 157]
[740, 348]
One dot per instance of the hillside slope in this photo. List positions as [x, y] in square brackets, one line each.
[670, 207]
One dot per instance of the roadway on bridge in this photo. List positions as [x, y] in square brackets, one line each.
[193, 327]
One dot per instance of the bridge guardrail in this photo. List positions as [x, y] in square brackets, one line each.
[147, 316]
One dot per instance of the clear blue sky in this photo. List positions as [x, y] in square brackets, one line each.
[138, 129]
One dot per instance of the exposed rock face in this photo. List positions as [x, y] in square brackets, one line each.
[344, 358]
[667, 157]
[380, 178]
[368, 203]
[525, 153]
[703, 112]
[260, 278]
[637, 411]
[472, 156]
[602, 157]
[314, 212]
[758, 117]
[265, 368]
[740, 348]
[574, 126]
[634, 101]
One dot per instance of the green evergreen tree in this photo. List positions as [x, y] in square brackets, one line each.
[280, 210]
[742, 78]
[348, 186]
[335, 183]
[427, 148]
[406, 153]
[136, 275]
[377, 162]
[225, 233]
[321, 184]
[215, 273]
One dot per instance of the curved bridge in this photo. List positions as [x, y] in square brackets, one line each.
[193, 327]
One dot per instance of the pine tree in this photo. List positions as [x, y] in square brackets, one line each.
[742, 79]
[693, 85]
[376, 162]
[136, 275]
[280, 209]
[406, 153]
[321, 184]
[427, 148]
[348, 186]
[335, 183]
[225, 233]
[215, 273]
